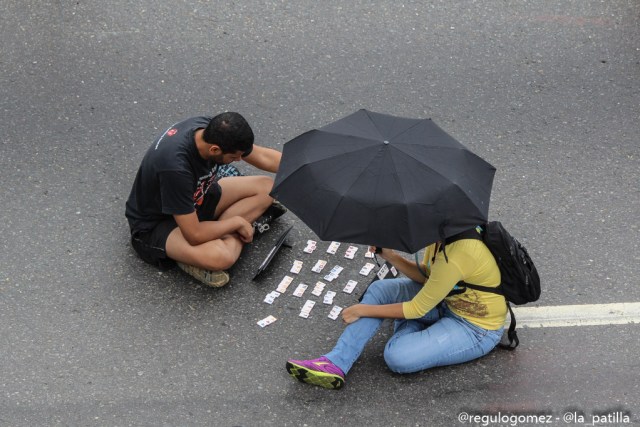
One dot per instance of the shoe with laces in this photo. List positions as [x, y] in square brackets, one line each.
[276, 210]
[321, 372]
[215, 279]
[227, 170]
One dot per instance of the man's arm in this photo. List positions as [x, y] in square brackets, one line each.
[264, 158]
[197, 232]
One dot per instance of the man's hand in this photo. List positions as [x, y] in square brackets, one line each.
[197, 233]
[245, 230]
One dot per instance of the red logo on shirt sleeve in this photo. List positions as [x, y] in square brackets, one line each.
[172, 131]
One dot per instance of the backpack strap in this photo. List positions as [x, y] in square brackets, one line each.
[511, 333]
[496, 290]
[472, 233]
[444, 244]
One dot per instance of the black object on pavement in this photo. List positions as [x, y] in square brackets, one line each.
[272, 253]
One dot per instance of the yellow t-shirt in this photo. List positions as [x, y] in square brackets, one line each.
[471, 261]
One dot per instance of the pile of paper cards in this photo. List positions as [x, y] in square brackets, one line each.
[320, 287]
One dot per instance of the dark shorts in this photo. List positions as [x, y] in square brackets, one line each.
[151, 245]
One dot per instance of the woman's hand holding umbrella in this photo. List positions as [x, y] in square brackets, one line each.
[406, 267]
[385, 254]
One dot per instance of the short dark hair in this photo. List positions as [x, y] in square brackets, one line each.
[231, 132]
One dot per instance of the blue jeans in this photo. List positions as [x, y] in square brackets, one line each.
[439, 338]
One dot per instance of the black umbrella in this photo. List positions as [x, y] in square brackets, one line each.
[385, 181]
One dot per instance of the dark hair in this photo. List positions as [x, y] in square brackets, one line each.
[231, 132]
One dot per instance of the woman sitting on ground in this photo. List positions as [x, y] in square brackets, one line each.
[433, 328]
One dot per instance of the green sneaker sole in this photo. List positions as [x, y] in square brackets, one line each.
[319, 378]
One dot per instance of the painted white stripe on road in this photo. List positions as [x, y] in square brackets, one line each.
[577, 315]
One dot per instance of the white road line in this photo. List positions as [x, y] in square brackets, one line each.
[577, 315]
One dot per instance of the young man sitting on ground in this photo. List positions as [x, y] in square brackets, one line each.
[179, 212]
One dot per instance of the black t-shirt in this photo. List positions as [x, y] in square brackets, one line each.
[172, 178]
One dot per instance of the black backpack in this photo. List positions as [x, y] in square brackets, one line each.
[520, 282]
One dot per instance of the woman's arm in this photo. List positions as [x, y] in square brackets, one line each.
[403, 265]
[386, 311]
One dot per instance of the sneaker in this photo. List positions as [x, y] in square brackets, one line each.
[227, 170]
[215, 279]
[321, 372]
[276, 210]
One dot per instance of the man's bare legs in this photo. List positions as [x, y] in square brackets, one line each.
[245, 196]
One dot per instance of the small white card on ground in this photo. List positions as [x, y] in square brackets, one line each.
[335, 312]
[271, 297]
[311, 246]
[334, 273]
[350, 286]
[367, 269]
[297, 266]
[319, 266]
[318, 288]
[328, 297]
[351, 252]
[284, 284]
[266, 321]
[300, 290]
[387, 271]
[333, 248]
[306, 308]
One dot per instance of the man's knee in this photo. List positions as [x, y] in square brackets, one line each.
[220, 254]
[222, 260]
[264, 184]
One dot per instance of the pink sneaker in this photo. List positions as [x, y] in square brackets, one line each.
[321, 372]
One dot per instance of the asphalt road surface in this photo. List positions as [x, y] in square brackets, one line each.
[546, 91]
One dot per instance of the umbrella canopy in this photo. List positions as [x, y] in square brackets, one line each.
[385, 181]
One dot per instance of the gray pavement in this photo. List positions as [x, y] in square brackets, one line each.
[547, 91]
